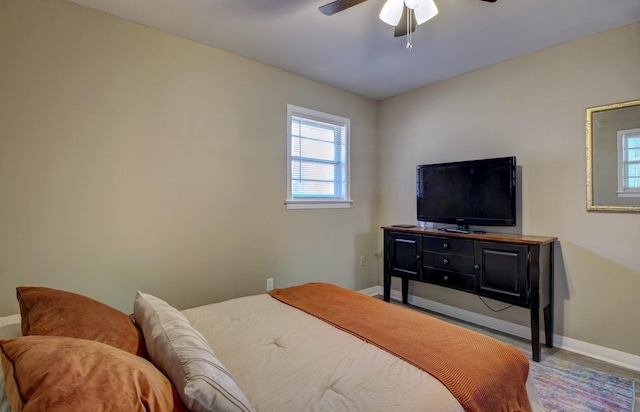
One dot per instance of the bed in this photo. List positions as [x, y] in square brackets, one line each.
[313, 347]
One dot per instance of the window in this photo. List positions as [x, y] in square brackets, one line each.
[629, 163]
[317, 160]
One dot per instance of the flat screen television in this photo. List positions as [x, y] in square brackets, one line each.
[474, 192]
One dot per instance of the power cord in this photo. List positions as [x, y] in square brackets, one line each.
[490, 308]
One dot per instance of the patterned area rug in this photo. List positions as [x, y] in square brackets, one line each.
[564, 386]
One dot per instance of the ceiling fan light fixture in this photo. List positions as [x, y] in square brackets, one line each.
[424, 10]
[392, 12]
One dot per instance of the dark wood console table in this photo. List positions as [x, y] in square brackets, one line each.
[516, 269]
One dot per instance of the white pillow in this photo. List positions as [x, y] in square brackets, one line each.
[184, 356]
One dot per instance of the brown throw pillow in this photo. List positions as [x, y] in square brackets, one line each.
[54, 312]
[52, 373]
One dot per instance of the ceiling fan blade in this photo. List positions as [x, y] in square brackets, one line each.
[339, 5]
[490, 1]
[402, 29]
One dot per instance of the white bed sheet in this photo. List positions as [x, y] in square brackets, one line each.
[285, 359]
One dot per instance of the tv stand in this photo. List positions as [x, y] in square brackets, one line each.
[516, 269]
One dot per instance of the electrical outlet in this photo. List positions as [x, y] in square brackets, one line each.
[269, 284]
[361, 260]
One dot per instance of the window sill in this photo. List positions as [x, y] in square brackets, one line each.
[318, 204]
[628, 194]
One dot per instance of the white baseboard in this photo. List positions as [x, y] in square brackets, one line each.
[372, 291]
[615, 357]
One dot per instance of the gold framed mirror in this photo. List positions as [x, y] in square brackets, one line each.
[613, 158]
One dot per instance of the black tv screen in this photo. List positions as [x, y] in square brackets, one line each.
[474, 192]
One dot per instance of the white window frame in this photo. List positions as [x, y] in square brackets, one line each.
[623, 135]
[341, 202]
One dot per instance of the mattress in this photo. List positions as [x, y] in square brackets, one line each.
[285, 359]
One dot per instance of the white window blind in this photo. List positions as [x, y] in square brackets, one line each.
[318, 159]
[629, 163]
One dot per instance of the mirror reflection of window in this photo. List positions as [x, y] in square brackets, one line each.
[629, 163]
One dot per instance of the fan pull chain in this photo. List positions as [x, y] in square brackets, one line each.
[409, 31]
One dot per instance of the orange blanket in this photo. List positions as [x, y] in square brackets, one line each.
[483, 374]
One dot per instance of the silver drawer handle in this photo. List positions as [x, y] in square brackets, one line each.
[445, 261]
[445, 278]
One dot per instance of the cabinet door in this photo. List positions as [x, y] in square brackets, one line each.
[403, 257]
[501, 271]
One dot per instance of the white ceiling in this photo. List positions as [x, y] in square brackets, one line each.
[355, 51]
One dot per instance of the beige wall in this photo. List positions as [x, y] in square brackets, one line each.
[532, 107]
[134, 159]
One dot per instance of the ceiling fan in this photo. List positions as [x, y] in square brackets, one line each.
[410, 12]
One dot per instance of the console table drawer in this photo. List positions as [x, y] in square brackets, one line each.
[449, 279]
[444, 261]
[447, 245]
